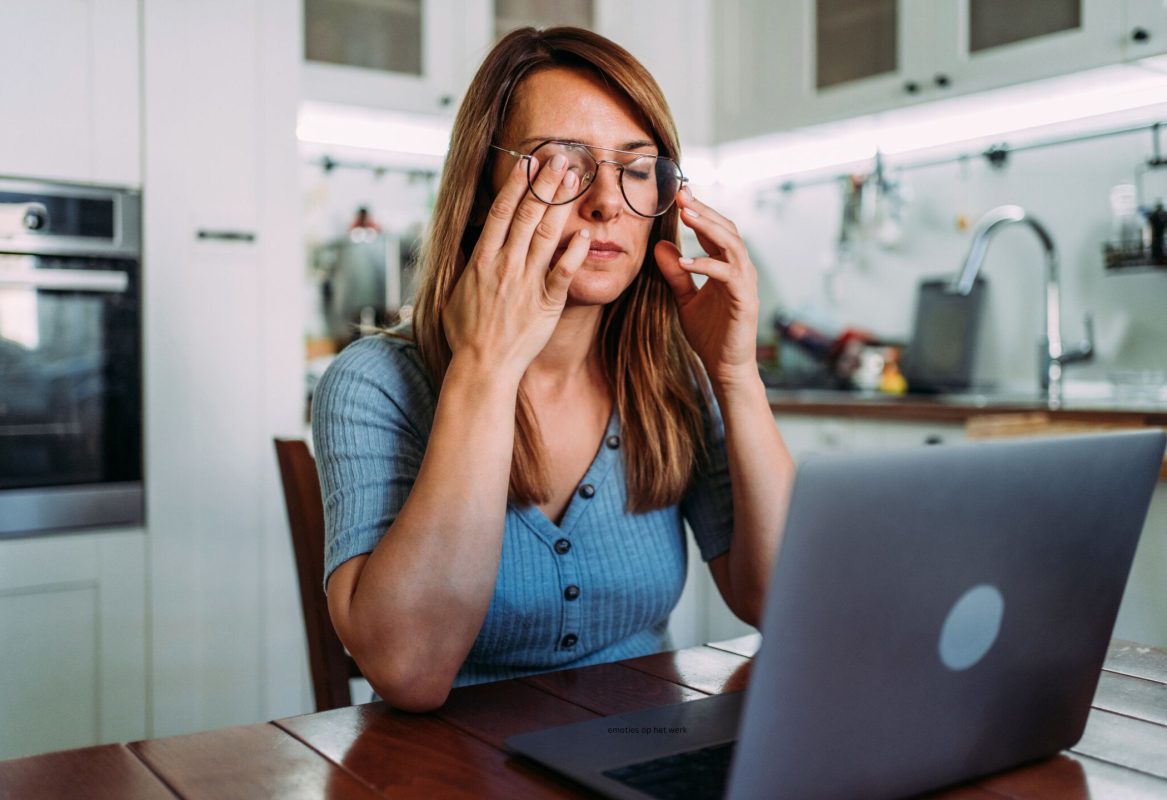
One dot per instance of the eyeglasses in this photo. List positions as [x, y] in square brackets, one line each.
[649, 183]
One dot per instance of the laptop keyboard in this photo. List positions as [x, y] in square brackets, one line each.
[695, 775]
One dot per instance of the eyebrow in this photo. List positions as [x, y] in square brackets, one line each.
[635, 144]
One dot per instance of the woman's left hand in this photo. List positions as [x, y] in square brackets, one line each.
[720, 319]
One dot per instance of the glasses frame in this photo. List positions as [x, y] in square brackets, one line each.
[599, 163]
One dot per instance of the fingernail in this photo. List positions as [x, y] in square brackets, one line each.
[691, 213]
[558, 161]
[570, 179]
[686, 193]
[584, 233]
[686, 261]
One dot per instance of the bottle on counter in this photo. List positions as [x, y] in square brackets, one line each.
[1126, 234]
[840, 355]
[814, 342]
[1157, 221]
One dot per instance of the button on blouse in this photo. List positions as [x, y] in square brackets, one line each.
[373, 413]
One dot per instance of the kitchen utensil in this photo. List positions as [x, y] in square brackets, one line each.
[940, 355]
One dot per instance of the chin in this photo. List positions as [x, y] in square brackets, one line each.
[598, 287]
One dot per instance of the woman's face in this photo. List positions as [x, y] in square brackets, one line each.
[573, 105]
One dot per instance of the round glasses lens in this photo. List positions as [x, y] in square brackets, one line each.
[651, 184]
[579, 161]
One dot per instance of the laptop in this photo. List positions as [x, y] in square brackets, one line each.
[935, 614]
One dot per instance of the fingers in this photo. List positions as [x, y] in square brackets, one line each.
[713, 236]
[531, 211]
[549, 230]
[686, 200]
[717, 234]
[502, 210]
[560, 278]
[717, 270]
[681, 282]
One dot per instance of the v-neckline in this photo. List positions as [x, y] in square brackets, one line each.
[596, 474]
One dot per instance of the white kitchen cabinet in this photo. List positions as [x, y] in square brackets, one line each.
[1144, 31]
[809, 435]
[222, 267]
[454, 37]
[870, 434]
[674, 41]
[1143, 614]
[70, 91]
[887, 54]
[72, 641]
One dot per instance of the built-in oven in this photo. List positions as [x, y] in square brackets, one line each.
[70, 357]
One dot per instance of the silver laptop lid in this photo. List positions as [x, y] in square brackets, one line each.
[940, 613]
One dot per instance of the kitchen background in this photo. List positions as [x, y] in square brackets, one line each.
[257, 130]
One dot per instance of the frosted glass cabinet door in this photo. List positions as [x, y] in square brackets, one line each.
[796, 63]
[854, 41]
[373, 34]
[511, 14]
[1001, 42]
[404, 55]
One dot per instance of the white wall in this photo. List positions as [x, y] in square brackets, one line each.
[792, 240]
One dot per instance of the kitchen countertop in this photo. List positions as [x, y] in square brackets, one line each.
[1084, 403]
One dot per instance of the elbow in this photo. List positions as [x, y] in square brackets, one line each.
[750, 609]
[408, 689]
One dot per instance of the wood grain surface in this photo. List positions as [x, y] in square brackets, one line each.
[457, 752]
[107, 771]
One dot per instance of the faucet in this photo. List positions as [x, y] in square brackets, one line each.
[1052, 357]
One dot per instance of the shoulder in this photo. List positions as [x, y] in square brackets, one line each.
[377, 373]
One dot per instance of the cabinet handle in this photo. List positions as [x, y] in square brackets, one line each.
[1140, 35]
[227, 236]
[942, 80]
[911, 87]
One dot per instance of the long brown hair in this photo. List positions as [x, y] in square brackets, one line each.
[656, 379]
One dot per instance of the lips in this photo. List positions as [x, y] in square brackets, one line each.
[605, 247]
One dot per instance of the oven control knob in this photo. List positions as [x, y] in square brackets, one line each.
[35, 218]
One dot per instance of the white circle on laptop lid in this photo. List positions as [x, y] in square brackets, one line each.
[971, 627]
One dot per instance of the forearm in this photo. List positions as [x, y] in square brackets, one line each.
[762, 474]
[423, 593]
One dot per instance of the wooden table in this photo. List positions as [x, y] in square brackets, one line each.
[372, 751]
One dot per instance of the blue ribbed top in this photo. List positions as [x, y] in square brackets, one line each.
[372, 415]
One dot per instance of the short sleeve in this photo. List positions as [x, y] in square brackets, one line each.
[708, 503]
[371, 417]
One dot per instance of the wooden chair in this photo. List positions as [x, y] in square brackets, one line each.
[331, 666]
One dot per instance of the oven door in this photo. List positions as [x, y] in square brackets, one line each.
[70, 393]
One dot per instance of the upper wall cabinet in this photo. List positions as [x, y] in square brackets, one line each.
[785, 65]
[405, 55]
[419, 56]
[672, 41]
[1144, 30]
[69, 91]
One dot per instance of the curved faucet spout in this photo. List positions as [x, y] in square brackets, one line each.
[989, 224]
[1053, 356]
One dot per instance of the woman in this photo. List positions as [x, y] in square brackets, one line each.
[505, 483]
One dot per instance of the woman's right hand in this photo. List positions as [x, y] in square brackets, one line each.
[507, 302]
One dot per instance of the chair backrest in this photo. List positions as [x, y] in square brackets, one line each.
[331, 666]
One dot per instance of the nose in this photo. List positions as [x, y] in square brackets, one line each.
[603, 200]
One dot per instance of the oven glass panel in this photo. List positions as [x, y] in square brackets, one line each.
[70, 364]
